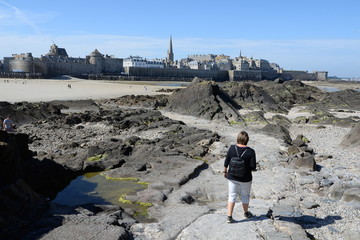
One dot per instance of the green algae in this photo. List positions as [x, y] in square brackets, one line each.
[141, 207]
[120, 179]
[123, 200]
[197, 158]
[96, 158]
[233, 122]
[143, 183]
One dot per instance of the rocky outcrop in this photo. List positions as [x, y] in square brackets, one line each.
[154, 102]
[87, 221]
[204, 99]
[24, 112]
[278, 132]
[346, 99]
[20, 205]
[249, 95]
[352, 139]
[135, 143]
[25, 184]
[300, 155]
[281, 96]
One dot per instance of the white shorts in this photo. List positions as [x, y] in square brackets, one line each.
[241, 188]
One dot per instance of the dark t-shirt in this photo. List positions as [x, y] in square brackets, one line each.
[250, 162]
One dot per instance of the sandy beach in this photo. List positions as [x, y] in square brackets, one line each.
[36, 90]
[70, 88]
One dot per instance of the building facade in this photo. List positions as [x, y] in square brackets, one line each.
[136, 61]
[57, 62]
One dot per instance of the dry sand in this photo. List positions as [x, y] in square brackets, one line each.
[36, 90]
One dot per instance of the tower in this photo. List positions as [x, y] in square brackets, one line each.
[96, 59]
[170, 54]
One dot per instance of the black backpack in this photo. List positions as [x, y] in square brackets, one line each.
[237, 166]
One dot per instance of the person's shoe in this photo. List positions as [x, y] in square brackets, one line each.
[248, 215]
[230, 219]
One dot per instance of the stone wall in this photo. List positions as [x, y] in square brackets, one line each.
[216, 75]
[20, 75]
[26, 65]
[321, 76]
[302, 75]
[69, 68]
[112, 65]
[62, 66]
[244, 75]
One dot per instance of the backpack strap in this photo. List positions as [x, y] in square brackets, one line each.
[238, 152]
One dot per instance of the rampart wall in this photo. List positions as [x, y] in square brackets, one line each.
[303, 75]
[69, 68]
[216, 75]
[112, 65]
[20, 75]
[22, 66]
[244, 75]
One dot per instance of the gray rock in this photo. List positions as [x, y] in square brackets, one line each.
[84, 222]
[352, 194]
[303, 160]
[336, 191]
[241, 227]
[85, 231]
[292, 150]
[169, 227]
[326, 183]
[351, 234]
[352, 139]
[278, 132]
[283, 210]
[309, 205]
[204, 99]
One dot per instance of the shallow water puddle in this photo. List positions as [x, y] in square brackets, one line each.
[95, 188]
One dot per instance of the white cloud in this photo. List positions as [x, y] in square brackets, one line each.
[17, 16]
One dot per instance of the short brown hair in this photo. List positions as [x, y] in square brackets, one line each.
[242, 138]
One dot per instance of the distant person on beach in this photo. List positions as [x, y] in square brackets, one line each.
[8, 124]
[239, 182]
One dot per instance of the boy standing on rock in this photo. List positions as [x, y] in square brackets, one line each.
[240, 161]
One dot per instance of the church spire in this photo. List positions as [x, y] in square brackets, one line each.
[170, 53]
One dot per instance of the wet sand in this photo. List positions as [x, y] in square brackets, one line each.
[334, 85]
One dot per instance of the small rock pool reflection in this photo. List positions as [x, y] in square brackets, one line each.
[95, 188]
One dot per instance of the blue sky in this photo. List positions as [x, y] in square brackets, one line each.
[298, 35]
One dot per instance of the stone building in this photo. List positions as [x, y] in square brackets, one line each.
[136, 61]
[57, 62]
[241, 64]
